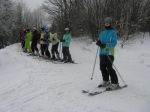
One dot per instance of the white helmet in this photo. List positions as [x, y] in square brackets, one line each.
[108, 20]
[67, 29]
[34, 28]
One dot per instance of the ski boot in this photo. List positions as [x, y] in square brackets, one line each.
[113, 87]
[104, 84]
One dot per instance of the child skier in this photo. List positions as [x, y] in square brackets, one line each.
[35, 39]
[55, 43]
[28, 38]
[65, 46]
[22, 38]
[44, 42]
[107, 41]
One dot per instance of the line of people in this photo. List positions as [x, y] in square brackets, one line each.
[106, 43]
[30, 39]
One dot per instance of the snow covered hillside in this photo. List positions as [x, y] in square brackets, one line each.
[29, 84]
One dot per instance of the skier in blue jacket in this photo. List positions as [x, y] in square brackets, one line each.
[65, 46]
[107, 41]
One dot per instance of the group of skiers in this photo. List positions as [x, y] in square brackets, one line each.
[30, 39]
[107, 41]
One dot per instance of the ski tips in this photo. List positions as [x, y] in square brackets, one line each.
[85, 91]
[125, 85]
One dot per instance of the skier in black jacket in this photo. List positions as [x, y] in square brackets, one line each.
[35, 39]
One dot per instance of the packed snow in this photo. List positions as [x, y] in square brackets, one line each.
[30, 84]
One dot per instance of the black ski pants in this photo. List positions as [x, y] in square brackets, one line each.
[66, 54]
[34, 46]
[22, 43]
[45, 51]
[106, 67]
[54, 50]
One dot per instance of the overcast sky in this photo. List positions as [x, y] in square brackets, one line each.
[33, 4]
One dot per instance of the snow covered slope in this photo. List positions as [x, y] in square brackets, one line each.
[28, 84]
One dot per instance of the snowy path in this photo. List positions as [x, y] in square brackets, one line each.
[32, 85]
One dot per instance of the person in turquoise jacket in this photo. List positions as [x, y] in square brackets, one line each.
[65, 46]
[107, 41]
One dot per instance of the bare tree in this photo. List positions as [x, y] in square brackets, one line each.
[87, 16]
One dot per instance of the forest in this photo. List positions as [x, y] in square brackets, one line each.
[83, 17]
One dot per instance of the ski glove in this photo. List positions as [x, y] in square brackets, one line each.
[43, 39]
[100, 44]
[53, 39]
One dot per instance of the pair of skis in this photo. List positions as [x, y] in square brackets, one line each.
[93, 93]
[53, 61]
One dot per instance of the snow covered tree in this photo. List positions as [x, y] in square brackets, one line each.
[87, 16]
[14, 17]
[7, 21]
[34, 18]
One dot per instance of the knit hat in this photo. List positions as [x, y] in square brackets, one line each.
[34, 28]
[66, 29]
[46, 30]
[108, 20]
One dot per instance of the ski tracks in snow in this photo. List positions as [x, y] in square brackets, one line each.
[20, 95]
[35, 85]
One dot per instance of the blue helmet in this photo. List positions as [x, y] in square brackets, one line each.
[46, 30]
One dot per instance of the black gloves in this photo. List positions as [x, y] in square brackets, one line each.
[100, 44]
[62, 40]
[53, 39]
[43, 39]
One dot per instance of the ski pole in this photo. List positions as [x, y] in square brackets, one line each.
[94, 64]
[117, 71]
[60, 49]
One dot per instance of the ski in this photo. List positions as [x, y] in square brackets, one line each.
[49, 60]
[55, 62]
[85, 91]
[100, 92]
[96, 93]
[90, 93]
[30, 54]
[59, 62]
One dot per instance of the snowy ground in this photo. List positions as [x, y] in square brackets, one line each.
[31, 85]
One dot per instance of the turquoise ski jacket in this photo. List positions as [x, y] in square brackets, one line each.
[108, 37]
[67, 39]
